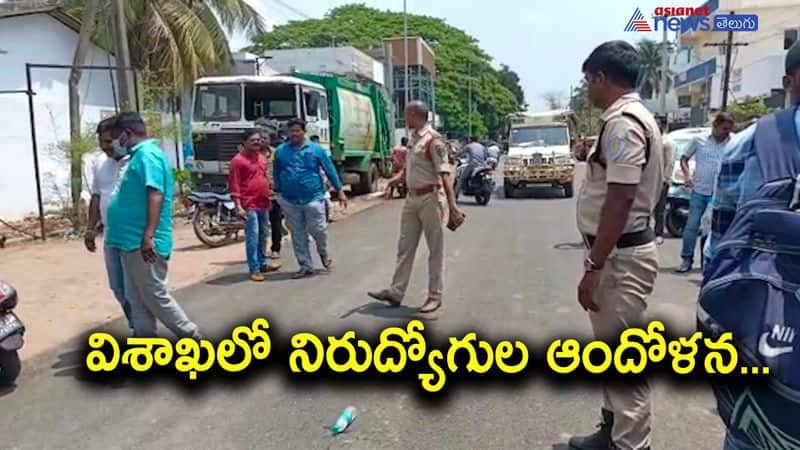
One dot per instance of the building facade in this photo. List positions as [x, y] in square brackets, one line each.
[43, 36]
[756, 68]
[335, 60]
[421, 73]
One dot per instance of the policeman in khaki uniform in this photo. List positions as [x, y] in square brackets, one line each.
[624, 174]
[428, 179]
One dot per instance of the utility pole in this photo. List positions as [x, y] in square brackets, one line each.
[726, 81]
[405, 50]
[664, 71]
[125, 79]
[469, 97]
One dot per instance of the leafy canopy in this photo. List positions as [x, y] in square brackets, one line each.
[173, 42]
[495, 94]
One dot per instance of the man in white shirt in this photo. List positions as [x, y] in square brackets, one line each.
[104, 174]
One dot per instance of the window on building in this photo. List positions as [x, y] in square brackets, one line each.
[790, 37]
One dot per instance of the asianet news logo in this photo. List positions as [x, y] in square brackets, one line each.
[685, 19]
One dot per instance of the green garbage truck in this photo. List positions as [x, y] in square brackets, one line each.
[350, 118]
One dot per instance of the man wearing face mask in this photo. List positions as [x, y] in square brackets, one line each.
[105, 175]
[140, 227]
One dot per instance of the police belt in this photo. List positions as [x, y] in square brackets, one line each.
[627, 240]
[424, 191]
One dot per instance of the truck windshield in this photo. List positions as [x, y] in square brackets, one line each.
[273, 101]
[539, 136]
[218, 103]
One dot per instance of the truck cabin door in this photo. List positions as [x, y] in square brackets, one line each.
[316, 113]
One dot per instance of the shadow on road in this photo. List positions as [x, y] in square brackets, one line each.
[570, 246]
[229, 263]
[388, 312]
[230, 279]
[544, 193]
[561, 447]
[71, 364]
[5, 390]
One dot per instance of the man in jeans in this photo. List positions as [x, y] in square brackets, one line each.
[707, 152]
[249, 187]
[104, 176]
[140, 227]
[301, 194]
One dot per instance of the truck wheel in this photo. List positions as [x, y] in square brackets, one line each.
[508, 189]
[367, 181]
[568, 191]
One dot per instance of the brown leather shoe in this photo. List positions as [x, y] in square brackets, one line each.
[431, 305]
[385, 296]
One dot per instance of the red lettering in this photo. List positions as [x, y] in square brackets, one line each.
[681, 11]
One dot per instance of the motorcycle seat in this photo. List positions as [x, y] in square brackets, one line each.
[209, 197]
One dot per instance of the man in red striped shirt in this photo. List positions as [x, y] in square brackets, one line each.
[251, 189]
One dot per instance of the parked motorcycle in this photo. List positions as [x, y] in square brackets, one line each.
[677, 210]
[11, 331]
[479, 185]
[214, 218]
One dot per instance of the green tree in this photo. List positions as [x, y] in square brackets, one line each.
[365, 28]
[176, 41]
[511, 80]
[589, 121]
[748, 109]
[651, 69]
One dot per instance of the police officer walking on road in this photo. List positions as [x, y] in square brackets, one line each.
[427, 175]
[624, 172]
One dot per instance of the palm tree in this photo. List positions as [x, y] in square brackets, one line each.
[172, 42]
[652, 67]
[175, 41]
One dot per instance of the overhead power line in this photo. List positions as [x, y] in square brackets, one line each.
[292, 9]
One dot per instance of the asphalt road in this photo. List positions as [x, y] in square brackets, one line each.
[511, 272]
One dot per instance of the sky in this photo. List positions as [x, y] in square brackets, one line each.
[545, 42]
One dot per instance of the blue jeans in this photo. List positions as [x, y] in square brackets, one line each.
[697, 207]
[302, 221]
[116, 281]
[732, 443]
[255, 239]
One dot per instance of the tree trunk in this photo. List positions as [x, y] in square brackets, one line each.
[76, 160]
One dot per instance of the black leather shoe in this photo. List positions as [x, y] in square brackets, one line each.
[599, 440]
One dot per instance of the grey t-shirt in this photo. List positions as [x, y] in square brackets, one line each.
[475, 153]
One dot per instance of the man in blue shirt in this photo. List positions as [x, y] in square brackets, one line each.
[298, 182]
[140, 227]
[707, 152]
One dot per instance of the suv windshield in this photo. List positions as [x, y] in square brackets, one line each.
[539, 136]
[218, 103]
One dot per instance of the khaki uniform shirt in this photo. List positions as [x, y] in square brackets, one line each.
[422, 172]
[623, 152]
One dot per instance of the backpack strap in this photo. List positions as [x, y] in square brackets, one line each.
[647, 141]
[777, 146]
[428, 149]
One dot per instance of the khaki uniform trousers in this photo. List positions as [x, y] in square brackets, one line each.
[422, 215]
[628, 278]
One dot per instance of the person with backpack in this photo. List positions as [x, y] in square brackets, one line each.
[751, 284]
[624, 176]
[427, 175]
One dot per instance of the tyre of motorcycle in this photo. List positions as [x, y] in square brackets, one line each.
[200, 232]
[676, 216]
[10, 364]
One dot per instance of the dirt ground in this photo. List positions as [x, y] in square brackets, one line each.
[64, 289]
